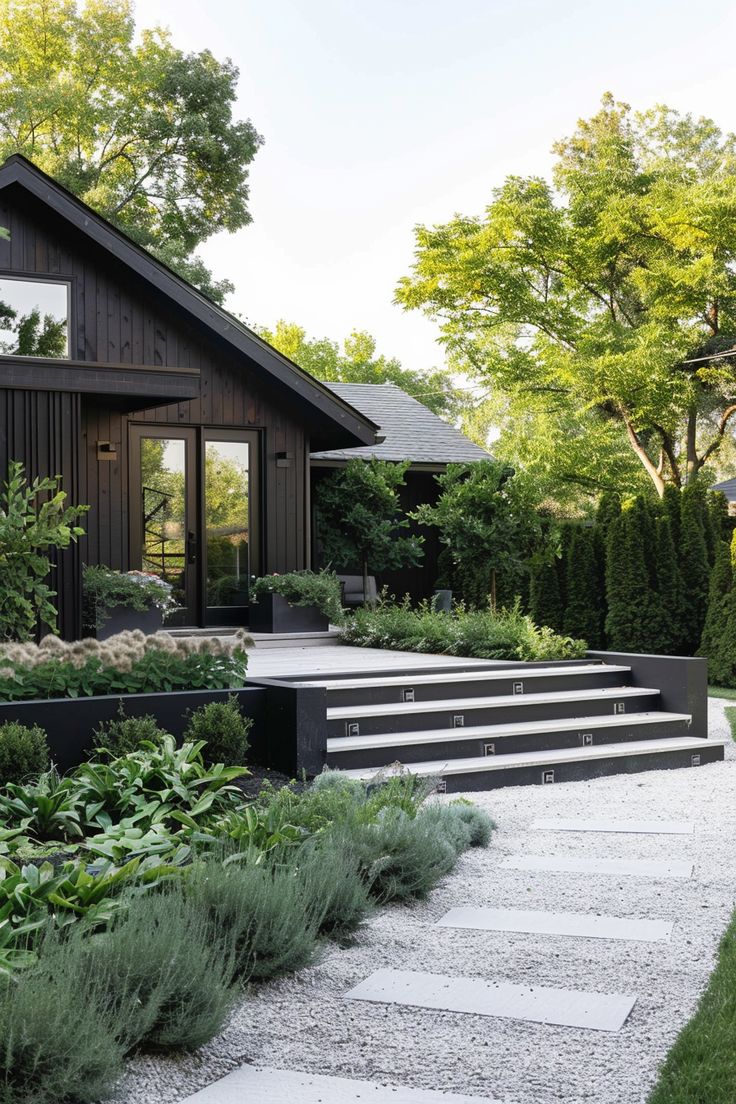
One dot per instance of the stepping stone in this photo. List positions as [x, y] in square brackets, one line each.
[577, 924]
[249, 1085]
[476, 996]
[571, 864]
[647, 827]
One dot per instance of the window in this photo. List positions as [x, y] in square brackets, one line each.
[34, 318]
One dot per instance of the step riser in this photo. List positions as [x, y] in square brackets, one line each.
[456, 687]
[579, 771]
[486, 715]
[469, 748]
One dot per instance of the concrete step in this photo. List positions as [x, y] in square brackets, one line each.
[363, 720]
[430, 685]
[563, 765]
[384, 748]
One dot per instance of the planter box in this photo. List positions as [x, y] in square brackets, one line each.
[123, 619]
[273, 614]
[70, 723]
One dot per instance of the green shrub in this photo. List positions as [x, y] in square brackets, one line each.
[124, 734]
[224, 729]
[261, 910]
[23, 751]
[479, 823]
[57, 1024]
[481, 634]
[400, 857]
[337, 897]
[305, 588]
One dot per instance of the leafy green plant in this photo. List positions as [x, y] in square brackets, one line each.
[34, 521]
[483, 634]
[103, 589]
[47, 809]
[262, 909]
[23, 751]
[338, 898]
[224, 729]
[402, 857]
[478, 822]
[305, 588]
[124, 734]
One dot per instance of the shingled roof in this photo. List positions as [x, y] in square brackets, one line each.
[727, 487]
[411, 431]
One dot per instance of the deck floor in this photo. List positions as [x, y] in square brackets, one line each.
[330, 659]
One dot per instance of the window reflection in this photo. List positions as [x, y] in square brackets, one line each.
[226, 481]
[33, 318]
[163, 486]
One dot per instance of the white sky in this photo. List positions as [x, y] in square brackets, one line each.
[379, 115]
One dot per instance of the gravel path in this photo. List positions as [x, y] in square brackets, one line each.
[303, 1022]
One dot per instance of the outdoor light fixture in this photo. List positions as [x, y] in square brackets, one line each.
[284, 459]
[106, 450]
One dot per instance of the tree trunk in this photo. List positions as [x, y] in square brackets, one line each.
[651, 469]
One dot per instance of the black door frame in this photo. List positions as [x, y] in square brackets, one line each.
[195, 437]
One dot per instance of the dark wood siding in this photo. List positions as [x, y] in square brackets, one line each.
[41, 429]
[114, 323]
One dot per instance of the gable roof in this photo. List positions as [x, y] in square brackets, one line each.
[727, 487]
[331, 418]
[411, 431]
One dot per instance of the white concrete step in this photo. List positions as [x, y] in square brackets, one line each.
[439, 705]
[494, 732]
[497, 763]
[431, 678]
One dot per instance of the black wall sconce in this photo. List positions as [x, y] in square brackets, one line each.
[284, 459]
[106, 450]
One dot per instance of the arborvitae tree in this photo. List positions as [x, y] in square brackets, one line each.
[583, 613]
[718, 513]
[715, 630]
[644, 513]
[671, 506]
[694, 565]
[628, 586]
[567, 531]
[668, 626]
[609, 508]
[545, 600]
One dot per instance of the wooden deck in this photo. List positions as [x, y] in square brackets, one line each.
[330, 659]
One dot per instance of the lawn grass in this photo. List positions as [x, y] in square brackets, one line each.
[701, 1066]
[721, 692]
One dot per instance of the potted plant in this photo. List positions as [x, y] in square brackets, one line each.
[116, 601]
[300, 601]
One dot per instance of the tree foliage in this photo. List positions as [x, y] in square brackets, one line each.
[139, 130]
[360, 519]
[583, 608]
[356, 361]
[34, 521]
[489, 526]
[592, 299]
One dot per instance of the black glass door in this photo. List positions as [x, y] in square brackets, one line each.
[229, 524]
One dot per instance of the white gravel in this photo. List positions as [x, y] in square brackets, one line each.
[303, 1023]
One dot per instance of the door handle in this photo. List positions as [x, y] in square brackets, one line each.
[191, 547]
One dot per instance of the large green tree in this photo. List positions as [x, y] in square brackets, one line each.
[139, 130]
[356, 361]
[595, 299]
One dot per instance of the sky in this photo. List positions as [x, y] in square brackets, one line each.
[378, 116]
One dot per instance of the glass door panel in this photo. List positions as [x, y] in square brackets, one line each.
[163, 519]
[227, 527]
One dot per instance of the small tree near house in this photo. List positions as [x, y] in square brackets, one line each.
[360, 519]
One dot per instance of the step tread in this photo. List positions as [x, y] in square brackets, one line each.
[481, 732]
[428, 678]
[390, 709]
[493, 763]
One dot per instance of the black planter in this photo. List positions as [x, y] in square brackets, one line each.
[123, 619]
[273, 614]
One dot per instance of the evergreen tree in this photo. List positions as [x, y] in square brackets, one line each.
[718, 513]
[544, 598]
[671, 505]
[609, 508]
[694, 565]
[583, 614]
[668, 625]
[567, 531]
[715, 631]
[628, 586]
